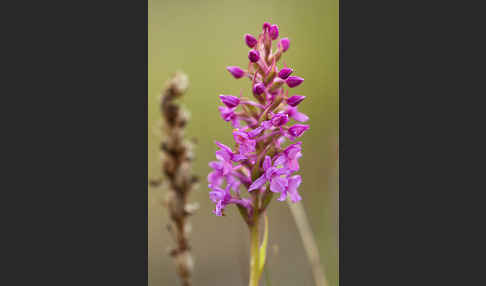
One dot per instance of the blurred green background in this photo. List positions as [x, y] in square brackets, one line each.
[201, 38]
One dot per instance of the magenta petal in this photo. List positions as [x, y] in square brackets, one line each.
[283, 196]
[280, 160]
[234, 184]
[299, 116]
[269, 173]
[278, 184]
[267, 124]
[238, 157]
[240, 137]
[294, 183]
[281, 171]
[279, 119]
[267, 163]
[280, 141]
[258, 183]
[216, 165]
[235, 122]
[215, 178]
[227, 114]
[227, 169]
[219, 209]
[222, 155]
[295, 197]
[254, 133]
[293, 149]
[215, 196]
[293, 165]
[224, 147]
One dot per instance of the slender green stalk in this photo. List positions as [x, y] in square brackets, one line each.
[254, 251]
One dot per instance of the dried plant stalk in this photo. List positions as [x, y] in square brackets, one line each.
[176, 166]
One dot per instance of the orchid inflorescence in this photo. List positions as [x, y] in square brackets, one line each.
[261, 163]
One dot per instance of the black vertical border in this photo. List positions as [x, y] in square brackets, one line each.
[404, 81]
[80, 216]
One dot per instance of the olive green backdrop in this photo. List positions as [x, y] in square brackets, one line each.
[201, 38]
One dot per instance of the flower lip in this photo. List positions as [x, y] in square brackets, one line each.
[295, 100]
[250, 40]
[294, 113]
[229, 100]
[284, 73]
[253, 56]
[273, 31]
[293, 81]
[235, 71]
[279, 119]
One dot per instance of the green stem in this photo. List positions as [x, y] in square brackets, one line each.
[254, 251]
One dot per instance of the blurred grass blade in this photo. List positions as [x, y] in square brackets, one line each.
[310, 244]
[267, 277]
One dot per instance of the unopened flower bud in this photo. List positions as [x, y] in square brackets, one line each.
[285, 43]
[253, 56]
[266, 26]
[237, 72]
[273, 31]
[250, 40]
[258, 88]
[284, 73]
[229, 100]
[295, 100]
[293, 81]
[279, 119]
